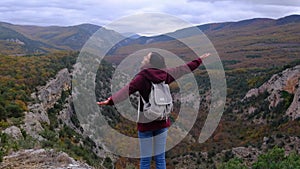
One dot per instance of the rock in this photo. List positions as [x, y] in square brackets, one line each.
[50, 93]
[274, 99]
[294, 109]
[14, 132]
[41, 159]
[45, 97]
[284, 81]
[66, 113]
[32, 125]
[265, 139]
[40, 112]
[64, 158]
[251, 110]
[293, 145]
[252, 93]
[248, 153]
[288, 81]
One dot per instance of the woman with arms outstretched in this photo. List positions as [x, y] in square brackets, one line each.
[153, 70]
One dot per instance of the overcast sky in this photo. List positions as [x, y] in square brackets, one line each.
[102, 12]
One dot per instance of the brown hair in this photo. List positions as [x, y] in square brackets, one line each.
[157, 61]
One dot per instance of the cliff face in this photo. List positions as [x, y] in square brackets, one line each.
[294, 109]
[50, 113]
[45, 98]
[281, 89]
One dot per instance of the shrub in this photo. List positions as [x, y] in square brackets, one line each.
[234, 163]
[15, 110]
[49, 135]
[273, 159]
[1, 155]
[3, 124]
[3, 113]
[276, 159]
[107, 163]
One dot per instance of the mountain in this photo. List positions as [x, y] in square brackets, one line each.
[258, 37]
[288, 19]
[68, 38]
[46, 39]
[11, 39]
[270, 41]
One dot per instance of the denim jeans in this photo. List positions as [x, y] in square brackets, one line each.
[153, 143]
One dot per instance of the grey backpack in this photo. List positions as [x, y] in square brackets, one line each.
[160, 103]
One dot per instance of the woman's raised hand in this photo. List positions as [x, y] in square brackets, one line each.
[204, 56]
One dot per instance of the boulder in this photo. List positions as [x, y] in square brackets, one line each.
[14, 132]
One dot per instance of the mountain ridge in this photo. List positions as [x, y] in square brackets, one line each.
[237, 43]
[74, 37]
[55, 37]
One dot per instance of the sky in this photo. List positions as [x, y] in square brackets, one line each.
[103, 12]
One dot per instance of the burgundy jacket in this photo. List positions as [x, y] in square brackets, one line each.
[142, 84]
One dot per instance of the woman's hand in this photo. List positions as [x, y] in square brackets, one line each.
[104, 103]
[204, 56]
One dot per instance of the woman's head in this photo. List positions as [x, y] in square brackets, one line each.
[155, 60]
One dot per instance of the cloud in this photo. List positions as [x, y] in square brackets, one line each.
[39, 12]
[209, 11]
[72, 12]
[256, 2]
[148, 24]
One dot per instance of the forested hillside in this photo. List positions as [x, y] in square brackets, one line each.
[21, 75]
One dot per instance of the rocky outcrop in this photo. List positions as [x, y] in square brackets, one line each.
[246, 153]
[285, 81]
[16, 41]
[49, 94]
[294, 109]
[32, 125]
[289, 143]
[41, 159]
[52, 103]
[45, 98]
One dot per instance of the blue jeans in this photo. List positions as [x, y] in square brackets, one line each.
[153, 143]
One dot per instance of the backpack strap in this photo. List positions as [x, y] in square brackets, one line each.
[139, 109]
[139, 106]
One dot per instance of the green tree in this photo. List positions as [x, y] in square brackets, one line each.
[14, 110]
[234, 163]
[3, 113]
[276, 159]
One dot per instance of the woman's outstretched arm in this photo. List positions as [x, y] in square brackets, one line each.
[181, 70]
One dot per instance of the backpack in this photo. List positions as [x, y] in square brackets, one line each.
[160, 103]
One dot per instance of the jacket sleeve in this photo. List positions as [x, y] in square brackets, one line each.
[126, 91]
[179, 71]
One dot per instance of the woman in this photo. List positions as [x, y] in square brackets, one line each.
[153, 70]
